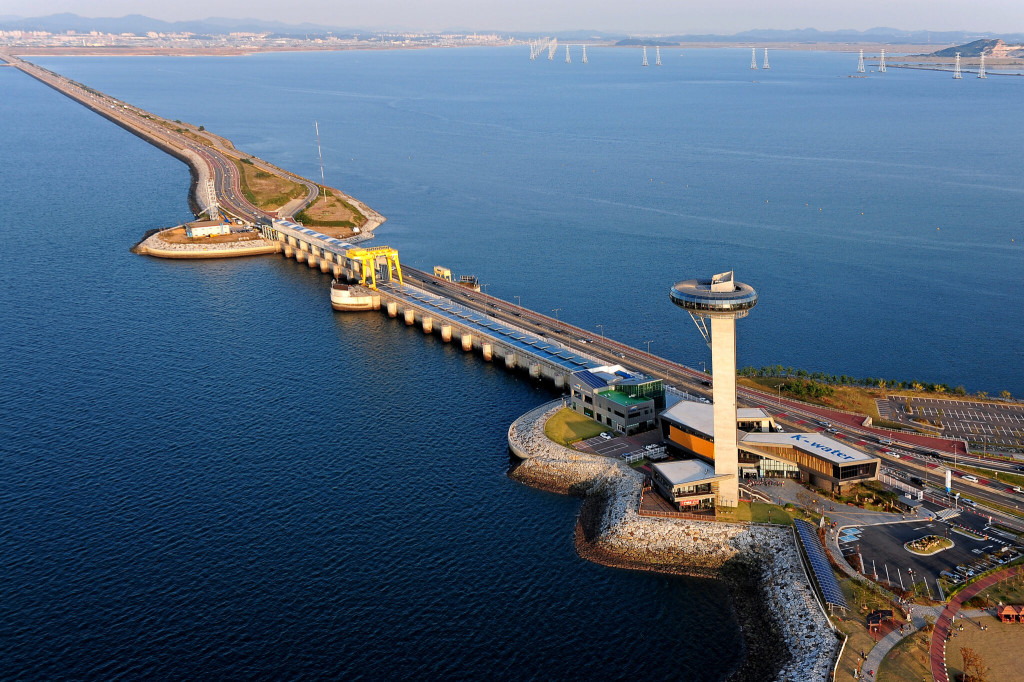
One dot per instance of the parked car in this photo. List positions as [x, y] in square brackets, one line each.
[968, 477]
[605, 435]
[1018, 489]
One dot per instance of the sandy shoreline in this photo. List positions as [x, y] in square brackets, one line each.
[785, 632]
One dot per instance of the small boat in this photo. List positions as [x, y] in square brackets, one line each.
[342, 298]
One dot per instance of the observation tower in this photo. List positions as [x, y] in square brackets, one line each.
[722, 300]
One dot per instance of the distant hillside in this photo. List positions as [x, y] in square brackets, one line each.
[990, 48]
[138, 24]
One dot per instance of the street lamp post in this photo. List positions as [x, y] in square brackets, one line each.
[648, 346]
[704, 366]
[602, 329]
[779, 386]
[519, 302]
[555, 311]
[484, 287]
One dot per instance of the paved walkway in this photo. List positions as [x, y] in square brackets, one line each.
[944, 622]
[917, 621]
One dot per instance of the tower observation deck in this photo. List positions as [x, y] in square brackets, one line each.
[720, 299]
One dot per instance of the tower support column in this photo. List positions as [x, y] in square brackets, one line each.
[723, 366]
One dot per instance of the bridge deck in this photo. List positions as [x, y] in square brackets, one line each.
[487, 326]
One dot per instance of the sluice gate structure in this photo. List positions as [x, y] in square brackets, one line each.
[379, 271]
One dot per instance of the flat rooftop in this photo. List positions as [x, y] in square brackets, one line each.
[811, 443]
[622, 399]
[686, 471]
[701, 416]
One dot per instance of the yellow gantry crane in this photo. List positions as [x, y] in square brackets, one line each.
[368, 263]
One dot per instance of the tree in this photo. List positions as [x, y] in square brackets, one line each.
[1005, 395]
[959, 390]
[916, 386]
[975, 669]
[982, 394]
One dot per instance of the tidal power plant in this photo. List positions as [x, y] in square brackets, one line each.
[722, 300]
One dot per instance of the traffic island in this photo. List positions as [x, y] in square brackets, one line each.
[928, 545]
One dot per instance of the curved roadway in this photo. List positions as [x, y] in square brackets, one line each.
[218, 163]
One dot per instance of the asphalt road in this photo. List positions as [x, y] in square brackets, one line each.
[222, 168]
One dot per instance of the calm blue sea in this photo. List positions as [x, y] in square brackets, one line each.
[204, 472]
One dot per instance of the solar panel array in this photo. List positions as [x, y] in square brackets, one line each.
[333, 245]
[808, 535]
[590, 380]
[513, 337]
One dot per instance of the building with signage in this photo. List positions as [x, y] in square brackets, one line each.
[762, 451]
[628, 402]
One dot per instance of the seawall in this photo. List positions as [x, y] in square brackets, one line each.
[786, 635]
[154, 245]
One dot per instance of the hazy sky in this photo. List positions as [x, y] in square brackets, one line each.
[650, 16]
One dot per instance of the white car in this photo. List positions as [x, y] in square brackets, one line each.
[972, 479]
[605, 435]
[1018, 489]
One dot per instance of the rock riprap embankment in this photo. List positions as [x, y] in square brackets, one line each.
[611, 531]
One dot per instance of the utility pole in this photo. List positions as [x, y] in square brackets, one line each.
[323, 183]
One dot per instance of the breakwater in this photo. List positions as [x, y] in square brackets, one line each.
[787, 636]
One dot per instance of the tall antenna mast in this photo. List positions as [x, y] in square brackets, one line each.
[881, 62]
[766, 59]
[753, 58]
[323, 183]
[956, 67]
[981, 68]
[860, 64]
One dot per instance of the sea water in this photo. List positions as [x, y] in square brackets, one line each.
[207, 472]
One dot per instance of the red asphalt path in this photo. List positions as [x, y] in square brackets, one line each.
[937, 653]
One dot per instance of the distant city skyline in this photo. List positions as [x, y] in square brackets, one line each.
[652, 17]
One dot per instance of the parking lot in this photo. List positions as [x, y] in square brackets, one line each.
[616, 447]
[881, 547]
[975, 421]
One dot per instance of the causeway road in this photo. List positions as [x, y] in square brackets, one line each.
[210, 161]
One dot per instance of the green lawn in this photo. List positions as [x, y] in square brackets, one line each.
[758, 512]
[566, 427]
[908, 660]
